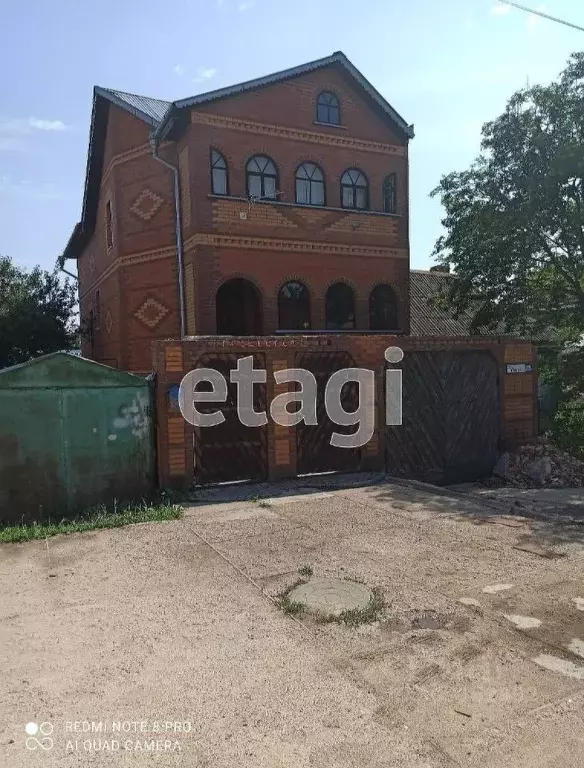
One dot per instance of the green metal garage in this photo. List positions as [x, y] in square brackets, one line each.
[73, 434]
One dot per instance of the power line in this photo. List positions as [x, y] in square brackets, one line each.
[543, 15]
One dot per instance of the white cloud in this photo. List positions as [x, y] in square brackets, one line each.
[28, 189]
[178, 69]
[204, 73]
[47, 125]
[18, 127]
[499, 9]
[245, 5]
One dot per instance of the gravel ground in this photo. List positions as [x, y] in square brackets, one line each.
[171, 630]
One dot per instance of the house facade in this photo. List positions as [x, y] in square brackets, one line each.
[277, 205]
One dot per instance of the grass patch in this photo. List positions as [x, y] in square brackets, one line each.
[261, 502]
[99, 517]
[366, 615]
[287, 606]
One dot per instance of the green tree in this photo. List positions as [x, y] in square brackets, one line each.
[515, 220]
[36, 313]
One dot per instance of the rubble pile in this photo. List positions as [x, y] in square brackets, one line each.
[538, 465]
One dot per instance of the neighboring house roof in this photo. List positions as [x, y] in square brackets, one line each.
[426, 319]
[163, 115]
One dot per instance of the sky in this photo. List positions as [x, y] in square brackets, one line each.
[447, 66]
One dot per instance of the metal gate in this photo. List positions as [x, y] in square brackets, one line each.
[314, 451]
[451, 418]
[231, 451]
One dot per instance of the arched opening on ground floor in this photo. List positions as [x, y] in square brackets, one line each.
[238, 307]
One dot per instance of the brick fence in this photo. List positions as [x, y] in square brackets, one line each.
[173, 359]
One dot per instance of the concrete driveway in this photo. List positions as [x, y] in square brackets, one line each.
[160, 643]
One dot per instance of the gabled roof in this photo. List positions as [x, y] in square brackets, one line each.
[150, 110]
[163, 115]
[286, 74]
[63, 369]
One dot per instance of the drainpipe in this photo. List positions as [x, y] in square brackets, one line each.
[178, 230]
[66, 271]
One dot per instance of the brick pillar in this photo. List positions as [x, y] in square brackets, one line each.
[281, 440]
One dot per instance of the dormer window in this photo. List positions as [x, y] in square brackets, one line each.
[327, 109]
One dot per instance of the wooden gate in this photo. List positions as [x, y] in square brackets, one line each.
[451, 418]
[231, 451]
[314, 451]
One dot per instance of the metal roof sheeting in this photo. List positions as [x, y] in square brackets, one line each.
[145, 107]
[427, 320]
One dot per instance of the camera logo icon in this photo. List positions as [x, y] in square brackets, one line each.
[34, 731]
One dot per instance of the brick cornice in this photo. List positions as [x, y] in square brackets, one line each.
[124, 261]
[124, 157]
[296, 134]
[292, 246]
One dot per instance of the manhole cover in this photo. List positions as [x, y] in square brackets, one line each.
[331, 596]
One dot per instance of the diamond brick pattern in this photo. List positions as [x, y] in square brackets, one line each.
[109, 321]
[151, 312]
[146, 205]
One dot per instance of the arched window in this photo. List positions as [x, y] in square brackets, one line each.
[294, 307]
[354, 189]
[340, 307]
[262, 177]
[219, 180]
[383, 315]
[309, 184]
[389, 196]
[327, 109]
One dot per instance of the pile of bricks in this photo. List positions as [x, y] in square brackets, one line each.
[538, 464]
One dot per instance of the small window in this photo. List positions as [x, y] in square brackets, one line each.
[97, 311]
[109, 232]
[294, 307]
[340, 307]
[309, 185]
[262, 178]
[219, 180]
[383, 315]
[327, 109]
[389, 196]
[354, 190]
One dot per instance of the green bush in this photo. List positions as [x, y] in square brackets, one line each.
[567, 428]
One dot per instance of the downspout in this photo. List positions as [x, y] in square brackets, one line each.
[178, 231]
[66, 271]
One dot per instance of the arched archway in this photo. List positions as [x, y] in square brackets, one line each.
[383, 314]
[238, 307]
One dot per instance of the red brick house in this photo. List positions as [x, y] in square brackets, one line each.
[280, 204]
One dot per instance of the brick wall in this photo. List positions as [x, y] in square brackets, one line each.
[173, 359]
[135, 279]
[271, 243]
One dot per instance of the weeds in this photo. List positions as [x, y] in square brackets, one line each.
[287, 606]
[306, 571]
[93, 519]
[367, 615]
